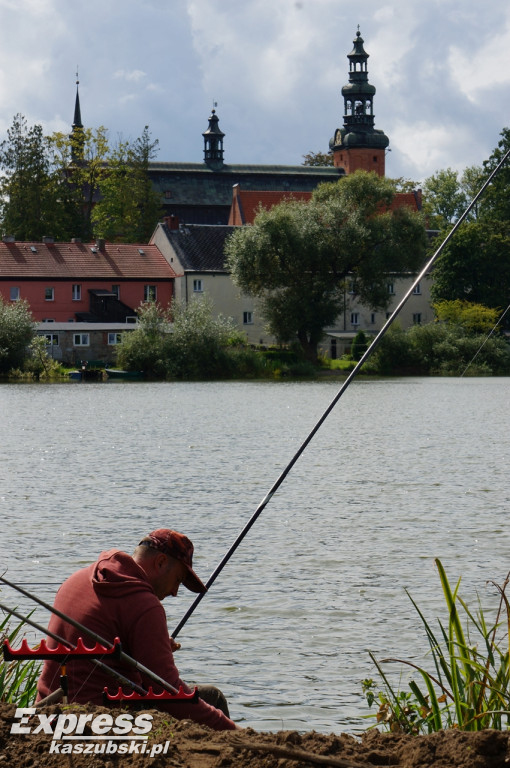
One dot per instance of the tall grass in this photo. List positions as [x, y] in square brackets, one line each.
[468, 683]
[18, 679]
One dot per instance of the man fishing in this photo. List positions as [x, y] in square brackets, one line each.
[120, 596]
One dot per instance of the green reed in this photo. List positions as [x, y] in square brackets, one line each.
[468, 685]
[18, 679]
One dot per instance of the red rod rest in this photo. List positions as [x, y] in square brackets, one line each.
[61, 652]
[151, 696]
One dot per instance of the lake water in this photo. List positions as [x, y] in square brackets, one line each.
[403, 471]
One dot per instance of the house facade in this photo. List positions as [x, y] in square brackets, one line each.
[84, 282]
[196, 254]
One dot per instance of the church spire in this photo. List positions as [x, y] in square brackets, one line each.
[76, 136]
[77, 123]
[358, 145]
[213, 143]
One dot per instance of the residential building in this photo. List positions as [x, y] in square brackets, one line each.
[84, 282]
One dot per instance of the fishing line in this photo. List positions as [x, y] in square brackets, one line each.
[371, 349]
[485, 341]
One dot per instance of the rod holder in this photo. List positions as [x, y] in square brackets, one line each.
[181, 695]
[61, 652]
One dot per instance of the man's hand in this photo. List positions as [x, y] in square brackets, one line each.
[174, 645]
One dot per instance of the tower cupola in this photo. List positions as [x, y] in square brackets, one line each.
[358, 145]
[213, 143]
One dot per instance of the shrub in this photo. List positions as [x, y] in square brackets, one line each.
[17, 328]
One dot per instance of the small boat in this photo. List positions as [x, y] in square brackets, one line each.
[75, 375]
[117, 373]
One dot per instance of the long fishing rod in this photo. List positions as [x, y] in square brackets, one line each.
[76, 624]
[101, 665]
[370, 350]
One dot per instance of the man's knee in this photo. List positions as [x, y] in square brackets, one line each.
[214, 697]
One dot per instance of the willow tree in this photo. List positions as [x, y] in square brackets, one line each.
[298, 256]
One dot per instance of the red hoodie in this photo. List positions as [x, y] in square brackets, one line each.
[114, 599]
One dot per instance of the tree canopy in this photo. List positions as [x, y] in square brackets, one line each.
[474, 265]
[76, 186]
[297, 256]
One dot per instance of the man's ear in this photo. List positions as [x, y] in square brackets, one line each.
[161, 561]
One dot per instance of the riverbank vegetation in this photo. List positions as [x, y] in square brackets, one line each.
[466, 684]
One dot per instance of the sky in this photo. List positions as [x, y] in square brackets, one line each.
[275, 69]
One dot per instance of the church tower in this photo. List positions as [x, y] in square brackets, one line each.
[213, 144]
[358, 145]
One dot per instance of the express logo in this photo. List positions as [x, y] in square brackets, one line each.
[104, 732]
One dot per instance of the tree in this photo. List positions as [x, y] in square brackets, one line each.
[17, 329]
[297, 256]
[318, 159]
[474, 318]
[496, 201]
[128, 207]
[474, 265]
[29, 200]
[445, 199]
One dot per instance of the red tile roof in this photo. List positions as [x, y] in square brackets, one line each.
[245, 203]
[83, 261]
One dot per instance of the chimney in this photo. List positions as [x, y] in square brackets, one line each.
[172, 222]
[8, 239]
[100, 243]
[48, 240]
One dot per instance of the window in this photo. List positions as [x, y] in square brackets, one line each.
[417, 290]
[48, 320]
[14, 293]
[372, 318]
[77, 292]
[114, 338]
[116, 290]
[51, 339]
[417, 318]
[354, 318]
[391, 288]
[247, 318]
[353, 288]
[81, 339]
[149, 293]
[49, 294]
[197, 286]
[388, 315]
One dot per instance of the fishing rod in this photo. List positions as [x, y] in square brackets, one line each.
[369, 351]
[76, 624]
[104, 667]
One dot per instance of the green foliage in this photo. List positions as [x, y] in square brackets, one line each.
[469, 685]
[496, 201]
[28, 194]
[18, 680]
[297, 256]
[474, 265]
[50, 185]
[440, 349]
[445, 200]
[474, 318]
[128, 208]
[359, 345]
[190, 343]
[318, 159]
[17, 329]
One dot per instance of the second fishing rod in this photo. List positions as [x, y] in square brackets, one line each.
[371, 349]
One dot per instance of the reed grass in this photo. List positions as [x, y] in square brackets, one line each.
[468, 685]
[18, 679]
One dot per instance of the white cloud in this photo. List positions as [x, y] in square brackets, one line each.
[133, 76]
[476, 71]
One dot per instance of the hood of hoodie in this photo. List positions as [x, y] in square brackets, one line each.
[116, 574]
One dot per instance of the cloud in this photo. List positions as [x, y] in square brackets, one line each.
[134, 76]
